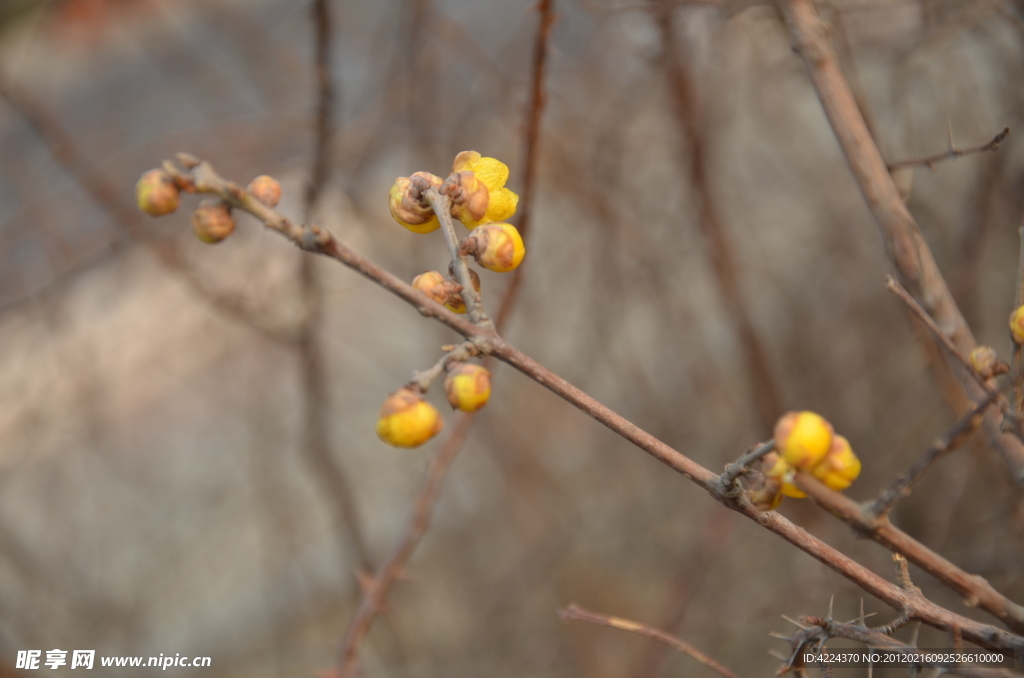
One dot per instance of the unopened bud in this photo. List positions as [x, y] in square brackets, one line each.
[986, 362]
[1017, 325]
[469, 195]
[212, 221]
[266, 189]
[840, 467]
[497, 247]
[156, 193]
[408, 205]
[803, 439]
[456, 302]
[406, 419]
[468, 386]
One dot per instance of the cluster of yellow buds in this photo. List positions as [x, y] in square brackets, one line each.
[479, 200]
[406, 419]
[805, 441]
[476, 188]
[158, 194]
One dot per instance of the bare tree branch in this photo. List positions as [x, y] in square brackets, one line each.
[905, 245]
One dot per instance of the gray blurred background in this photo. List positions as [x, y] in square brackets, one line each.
[157, 491]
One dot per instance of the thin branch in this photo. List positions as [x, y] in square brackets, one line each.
[201, 178]
[817, 631]
[953, 153]
[377, 591]
[575, 613]
[734, 470]
[905, 245]
[106, 195]
[531, 145]
[950, 442]
[441, 204]
[694, 154]
[326, 469]
[896, 288]
[975, 590]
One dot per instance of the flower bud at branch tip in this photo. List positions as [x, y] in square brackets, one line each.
[497, 247]
[468, 386]
[406, 419]
[266, 189]
[986, 362]
[156, 193]
[212, 221]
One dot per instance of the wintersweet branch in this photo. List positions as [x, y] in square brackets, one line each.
[953, 152]
[975, 589]
[201, 178]
[575, 613]
[905, 245]
[441, 204]
[817, 630]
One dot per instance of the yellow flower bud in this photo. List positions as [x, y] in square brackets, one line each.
[156, 193]
[502, 202]
[498, 247]
[1017, 325]
[433, 285]
[470, 197]
[986, 362]
[212, 221]
[407, 420]
[778, 468]
[408, 206]
[468, 386]
[803, 439]
[444, 290]
[840, 467]
[266, 189]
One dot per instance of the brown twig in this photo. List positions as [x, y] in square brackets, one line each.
[975, 590]
[106, 195]
[734, 470]
[950, 442]
[441, 204]
[531, 145]
[377, 591]
[691, 121]
[896, 288]
[818, 630]
[575, 613]
[325, 467]
[203, 179]
[378, 588]
[713, 540]
[905, 245]
[953, 153]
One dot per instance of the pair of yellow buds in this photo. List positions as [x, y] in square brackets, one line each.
[406, 419]
[480, 201]
[157, 194]
[805, 441]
